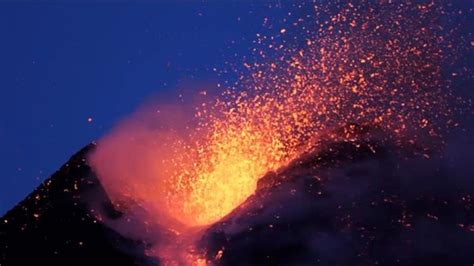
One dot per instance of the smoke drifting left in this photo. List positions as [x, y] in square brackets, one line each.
[137, 164]
[133, 161]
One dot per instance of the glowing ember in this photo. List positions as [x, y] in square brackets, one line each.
[381, 66]
[371, 63]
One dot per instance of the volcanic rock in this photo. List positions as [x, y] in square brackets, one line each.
[55, 225]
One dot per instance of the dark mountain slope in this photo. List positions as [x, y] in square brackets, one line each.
[55, 226]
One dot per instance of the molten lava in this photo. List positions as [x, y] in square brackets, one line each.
[192, 164]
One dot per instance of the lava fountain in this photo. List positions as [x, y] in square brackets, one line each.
[190, 163]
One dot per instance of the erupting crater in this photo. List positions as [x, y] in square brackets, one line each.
[188, 165]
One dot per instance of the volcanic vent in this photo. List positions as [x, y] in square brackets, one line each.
[354, 199]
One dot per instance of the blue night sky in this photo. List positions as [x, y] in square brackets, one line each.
[63, 63]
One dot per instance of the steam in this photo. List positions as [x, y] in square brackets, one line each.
[136, 165]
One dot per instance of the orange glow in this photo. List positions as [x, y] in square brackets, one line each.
[189, 165]
[226, 175]
[342, 74]
[223, 170]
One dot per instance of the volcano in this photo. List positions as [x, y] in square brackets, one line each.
[356, 198]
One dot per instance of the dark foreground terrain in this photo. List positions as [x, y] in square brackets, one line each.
[54, 225]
